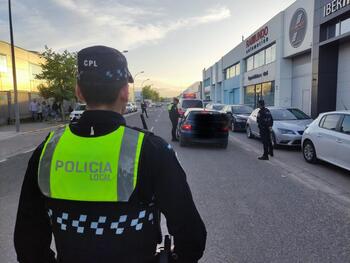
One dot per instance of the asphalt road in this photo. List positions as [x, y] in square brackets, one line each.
[283, 210]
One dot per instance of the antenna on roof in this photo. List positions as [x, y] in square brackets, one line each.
[242, 38]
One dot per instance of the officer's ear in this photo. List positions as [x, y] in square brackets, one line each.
[79, 95]
[124, 93]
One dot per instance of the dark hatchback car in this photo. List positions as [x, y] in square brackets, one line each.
[238, 115]
[189, 103]
[204, 126]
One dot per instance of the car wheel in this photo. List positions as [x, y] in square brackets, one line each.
[233, 126]
[224, 145]
[182, 142]
[309, 152]
[249, 132]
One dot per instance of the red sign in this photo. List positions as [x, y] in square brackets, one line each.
[189, 96]
[257, 36]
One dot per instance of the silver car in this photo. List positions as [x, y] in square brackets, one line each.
[288, 126]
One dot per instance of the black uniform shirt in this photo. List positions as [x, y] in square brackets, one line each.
[161, 181]
[264, 119]
[174, 113]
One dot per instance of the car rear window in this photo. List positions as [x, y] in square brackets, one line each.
[330, 122]
[80, 107]
[207, 116]
[192, 104]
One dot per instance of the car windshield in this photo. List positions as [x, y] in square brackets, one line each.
[218, 107]
[192, 104]
[288, 114]
[80, 107]
[242, 109]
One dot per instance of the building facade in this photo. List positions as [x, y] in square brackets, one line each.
[274, 63]
[331, 56]
[27, 66]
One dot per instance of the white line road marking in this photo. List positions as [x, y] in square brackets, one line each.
[30, 150]
[3, 160]
[152, 129]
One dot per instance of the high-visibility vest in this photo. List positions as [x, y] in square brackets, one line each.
[170, 106]
[101, 169]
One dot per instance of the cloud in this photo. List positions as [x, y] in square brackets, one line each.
[73, 24]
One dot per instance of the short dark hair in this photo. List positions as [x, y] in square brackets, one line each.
[98, 93]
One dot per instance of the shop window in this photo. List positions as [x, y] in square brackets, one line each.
[250, 63]
[207, 82]
[270, 54]
[265, 91]
[3, 63]
[238, 69]
[345, 26]
[259, 59]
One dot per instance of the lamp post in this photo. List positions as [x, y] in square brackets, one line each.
[14, 71]
[133, 86]
[144, 82]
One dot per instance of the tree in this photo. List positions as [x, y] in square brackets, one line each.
[150, 94]
[59, 76]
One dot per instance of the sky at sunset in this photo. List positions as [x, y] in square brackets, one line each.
[172, 41]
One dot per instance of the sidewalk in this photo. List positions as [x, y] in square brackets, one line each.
[30, 136]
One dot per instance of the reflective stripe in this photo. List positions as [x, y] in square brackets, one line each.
[127, 167]
[46, 159]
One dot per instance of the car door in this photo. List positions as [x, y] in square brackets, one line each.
[253, 122]
[326, 137]
[343, 143]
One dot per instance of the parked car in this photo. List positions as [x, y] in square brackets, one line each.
[203, 126]
[159, 104]
[134, 106]
[185, 104]
[328, 139]
[238, 115]
[77, 112]
[215, 106]
[288, 127]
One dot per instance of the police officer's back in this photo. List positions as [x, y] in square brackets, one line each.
[99, 185]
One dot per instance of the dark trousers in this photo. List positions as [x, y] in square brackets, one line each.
[266, 140]
[144, 111]
[173, 130]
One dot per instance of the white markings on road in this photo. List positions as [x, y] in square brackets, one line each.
[152, 129]
[3, 160]
[28, 151]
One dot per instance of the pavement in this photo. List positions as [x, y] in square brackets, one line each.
[282, 210]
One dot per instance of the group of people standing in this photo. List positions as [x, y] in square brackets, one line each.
[44, 111]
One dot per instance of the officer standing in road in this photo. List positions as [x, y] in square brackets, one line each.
[99, 186]
[144, 108]
[174, 118]
[265, 123]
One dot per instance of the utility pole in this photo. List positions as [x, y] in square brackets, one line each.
[14, 71]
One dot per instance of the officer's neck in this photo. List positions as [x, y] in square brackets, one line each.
[119, 108]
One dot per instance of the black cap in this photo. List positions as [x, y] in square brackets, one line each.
[261, 102]
[103, 64]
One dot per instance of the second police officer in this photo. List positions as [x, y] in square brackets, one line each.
[99, 185]
[265, 123]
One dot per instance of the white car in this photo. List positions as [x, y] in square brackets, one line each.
[77, 112]
[328, 139]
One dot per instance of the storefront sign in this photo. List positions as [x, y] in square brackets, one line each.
[258, 39]
[297, 28]
[334, 6]
[257, 76]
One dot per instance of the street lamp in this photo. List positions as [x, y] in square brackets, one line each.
[133, 86]
[144, 82]
[14, 70]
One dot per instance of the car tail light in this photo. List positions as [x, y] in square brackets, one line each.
[225, 129]
[186, 127]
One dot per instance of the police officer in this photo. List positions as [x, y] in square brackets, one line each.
[99, 185]
[265, 123]
[144, 108]
[174, 118]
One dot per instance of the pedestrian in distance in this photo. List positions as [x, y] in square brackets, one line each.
[33, 108]
[174, 118]
[40, 112]
[46, 110]
[265, 123]
[144, 108]
[99, 186]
